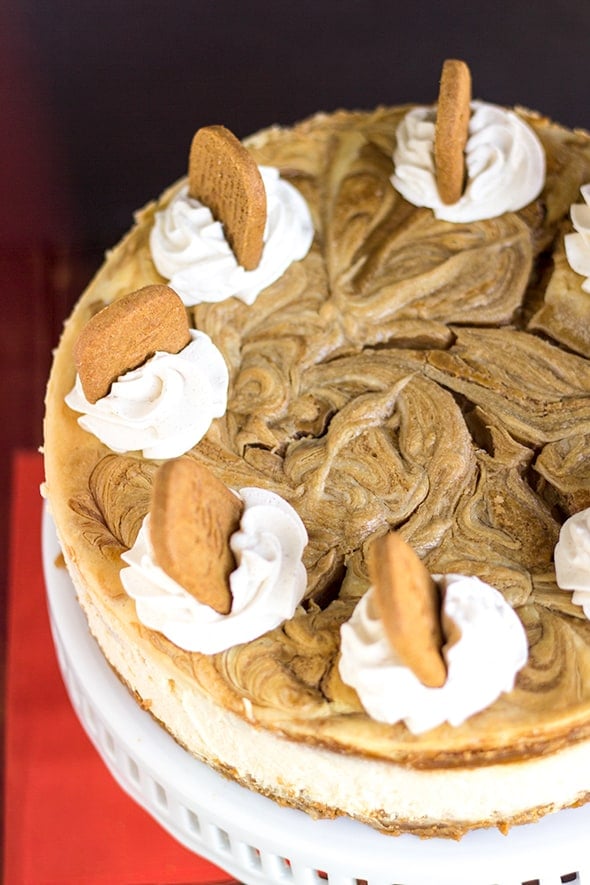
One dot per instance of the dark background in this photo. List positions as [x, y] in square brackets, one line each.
[99, 100]
[106, 94]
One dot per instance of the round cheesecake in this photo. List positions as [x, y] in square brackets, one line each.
[408, 373]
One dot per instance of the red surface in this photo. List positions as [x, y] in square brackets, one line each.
[66, 819]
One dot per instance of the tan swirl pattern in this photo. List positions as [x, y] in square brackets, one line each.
[390, 380]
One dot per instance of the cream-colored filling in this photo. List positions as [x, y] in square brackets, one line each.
[330, 784]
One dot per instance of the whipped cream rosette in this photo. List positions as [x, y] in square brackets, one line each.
[504, 158]
[577, 245]
[572, 558]
[477, 673]
[190, 249]
[162, 408]
[267, 585]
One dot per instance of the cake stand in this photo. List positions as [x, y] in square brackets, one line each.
[250, 836]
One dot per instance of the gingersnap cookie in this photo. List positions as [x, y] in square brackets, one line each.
[126, 333]
[224, 177]
[408, 603]
[192, 516]
[452, 129]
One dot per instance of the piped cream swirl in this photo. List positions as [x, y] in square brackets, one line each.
[491, 649]
[505, 164]
[577, 245]
[572, 558]
[267, 585]
[164, 407]
[190, 250]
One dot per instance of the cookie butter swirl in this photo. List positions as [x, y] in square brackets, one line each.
[393, 376]
[572, 558]
[164, 407]
[477, 672]
[577, 245]
[189, 247]
[267, 585]
[505, 164]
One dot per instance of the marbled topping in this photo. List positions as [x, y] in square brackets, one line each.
[393, 378]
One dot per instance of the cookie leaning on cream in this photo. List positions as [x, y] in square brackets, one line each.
[224, 177]
[124, 335]
[144, 379]
[211, 567]
[192, 518]
[424, 650]
[390, 378]
[452, 129]
[408, 602]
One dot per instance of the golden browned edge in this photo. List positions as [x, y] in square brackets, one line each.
[68, 457]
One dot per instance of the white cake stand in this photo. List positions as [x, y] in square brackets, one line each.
[250, 836]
